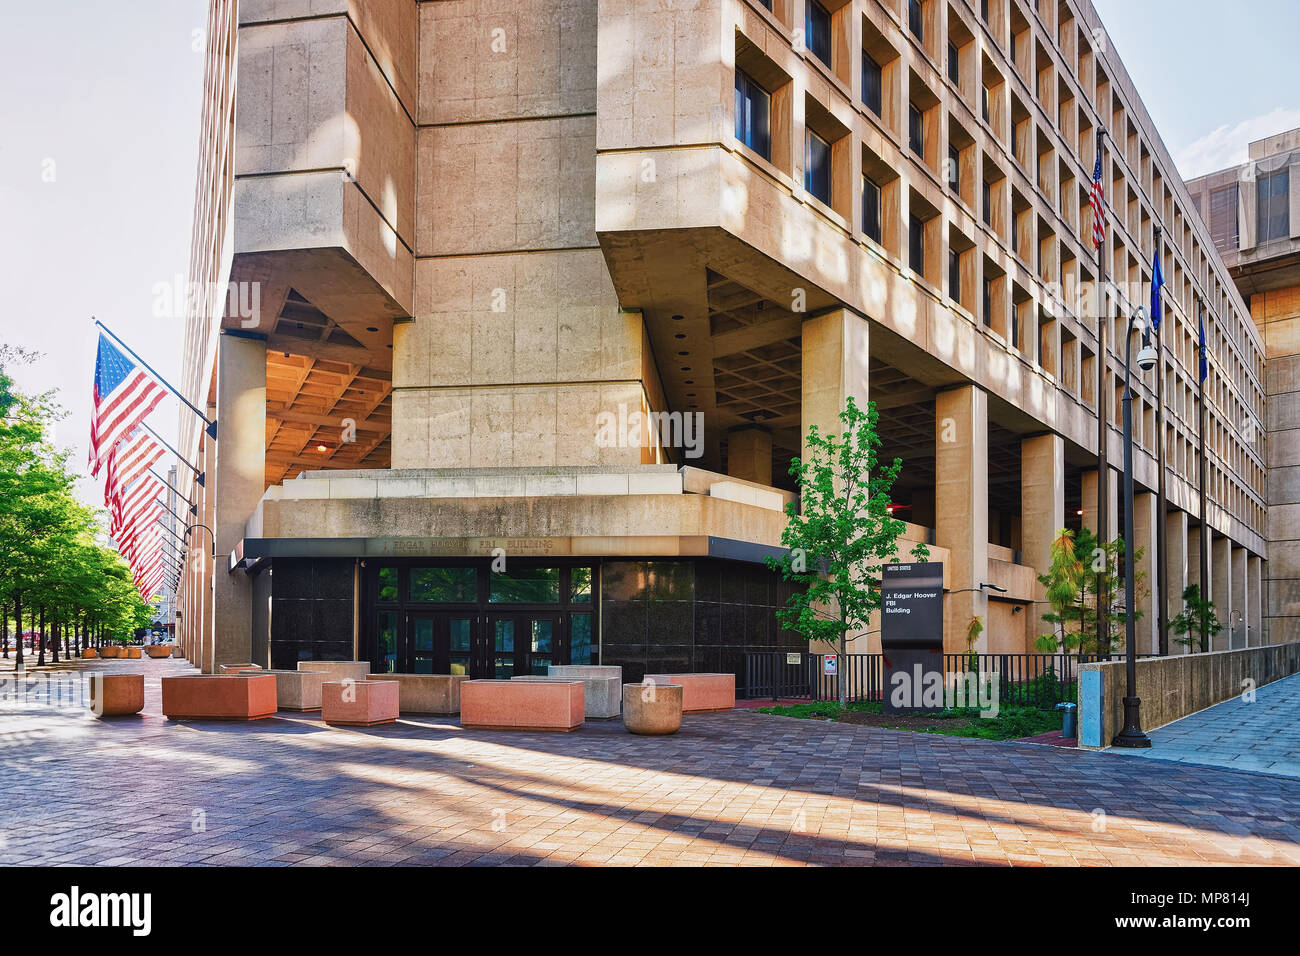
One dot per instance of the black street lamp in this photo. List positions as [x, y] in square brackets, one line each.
[1132, 735]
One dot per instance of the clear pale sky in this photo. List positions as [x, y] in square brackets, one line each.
[110, 93]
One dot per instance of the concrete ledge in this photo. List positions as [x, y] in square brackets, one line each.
[116, 695]
[338, 670]
[652, 710]
[237, 668]
[219, 697]
[359, 703]
[297, 690]
[1173, 687]
[522, 705]
[702, 693]
[603, 687]
[426, 693]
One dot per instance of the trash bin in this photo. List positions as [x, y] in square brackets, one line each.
[1069, 719]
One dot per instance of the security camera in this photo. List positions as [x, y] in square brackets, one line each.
[1146, 358]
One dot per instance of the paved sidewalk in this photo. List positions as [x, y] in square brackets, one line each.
[1263, 736]
[730, 789]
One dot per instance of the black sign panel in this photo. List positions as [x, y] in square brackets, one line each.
[911, 607]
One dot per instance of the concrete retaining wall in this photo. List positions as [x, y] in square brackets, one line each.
[1173, 687]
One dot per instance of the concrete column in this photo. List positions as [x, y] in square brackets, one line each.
[1177, 567]
[1237, 626]
[835, 365]
[1090, 502]
[1221, 578]
[1042, 510]
[240, 481]
[961, 491]
[749, 454]
[1255, 599]
[1148, 588]
[200, 547]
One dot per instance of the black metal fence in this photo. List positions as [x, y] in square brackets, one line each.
[1026, 680]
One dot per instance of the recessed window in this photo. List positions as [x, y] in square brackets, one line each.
[871, 83]
[987, 301]
[444, 585]
[1273, 214]
[817, 166]
[817, 31]
[954, 168]
[984, 10]
[1223, 217]
[915, 131]
[986, 203]
[954, 275]
[984, 102]
[870, 208]
[753, 115]
[914, 20]
[916, 245]
[952, 62]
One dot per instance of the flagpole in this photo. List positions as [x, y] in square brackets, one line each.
[194, 509]
[211, 423]
[162, 441]
[1201, 372]
[1103, 466]
[1162, 564]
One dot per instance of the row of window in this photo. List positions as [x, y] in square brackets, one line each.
[1272, 211]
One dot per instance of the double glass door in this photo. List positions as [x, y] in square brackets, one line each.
[499, 645]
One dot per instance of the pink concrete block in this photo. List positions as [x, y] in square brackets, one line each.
[116, 695]
[219, 696]
[522, 705]
[359, 703]
[702, 693]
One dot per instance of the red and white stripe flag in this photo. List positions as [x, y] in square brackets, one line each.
[126, 503]
[133, 457]
[1097, 203]
[124, 393]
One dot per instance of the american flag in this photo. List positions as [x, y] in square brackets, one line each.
[124, 393]
[130, 459]
[1098, 204]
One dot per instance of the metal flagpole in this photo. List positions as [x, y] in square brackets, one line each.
[194, 509]
[1103, 466]
[211, 424]
[1201, 374]
[162, 441]
[1162, 564]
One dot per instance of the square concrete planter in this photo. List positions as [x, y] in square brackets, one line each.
[158, 651]
[297, 690]
[89, 653]
[178, 652]
[603, 686]
[116, 695]
[110, 652]
[339, 670]
[132, 653]
[237, 668]
[426, 693]
[219, 697]
[522, 705]
[652, 710]
[359, 703]
[702, 693]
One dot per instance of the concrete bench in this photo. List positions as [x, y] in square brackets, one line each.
[522, 705]
[219, 696]
[653, 710]
[158, 651]
[297, 690]
[359, 703]
[116, 695]
[237, 668]
[339, 670]
[426, 693]
[603, 686]
[702, 693]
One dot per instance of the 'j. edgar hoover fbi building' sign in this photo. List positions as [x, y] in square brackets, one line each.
[911, 636]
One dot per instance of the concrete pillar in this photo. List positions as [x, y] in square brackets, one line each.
[835, 364]
[201, 548]
[1177, 568]
[1042, 512]
[1148, 588]
[1255, 599]
[240, 481]
[961, 503]
[749, 454]
[1090, 502]
[1237, 626]
[1221, 578]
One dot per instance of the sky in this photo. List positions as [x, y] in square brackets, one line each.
[99, 123]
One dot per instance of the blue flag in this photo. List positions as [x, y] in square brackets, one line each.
[1205, 366]
[1157, 282]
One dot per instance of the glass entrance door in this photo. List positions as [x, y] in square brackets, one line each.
[523, 642]
[438, 644]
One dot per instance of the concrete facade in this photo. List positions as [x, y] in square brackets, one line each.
[527, 290]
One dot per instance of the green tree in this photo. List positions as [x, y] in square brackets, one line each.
[840, 533]
[1082, 567]
[1063, 585]
[1197, 623]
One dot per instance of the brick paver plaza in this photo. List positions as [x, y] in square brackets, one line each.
[736, 788]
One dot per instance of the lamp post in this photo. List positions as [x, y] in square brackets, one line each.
[1131, 735]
